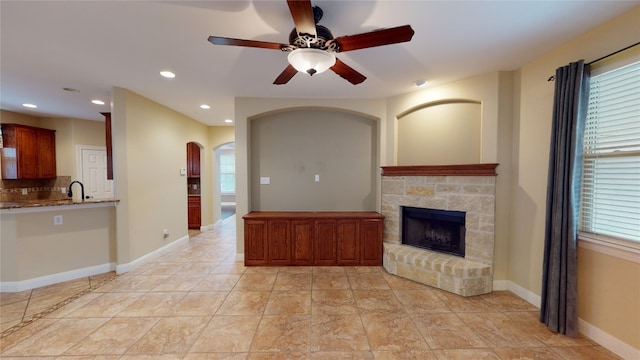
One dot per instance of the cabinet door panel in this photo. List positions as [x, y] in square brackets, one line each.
[255, 242]
[194, 219]
[46, 154]
[371, 242]
[279, 242]
[193, 160]
[324, 246]
[302, 242]
[27, 153]
[348, 242]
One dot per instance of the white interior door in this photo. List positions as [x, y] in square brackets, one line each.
[94, 173]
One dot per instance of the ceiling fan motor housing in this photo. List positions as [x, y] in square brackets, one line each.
[321, 41]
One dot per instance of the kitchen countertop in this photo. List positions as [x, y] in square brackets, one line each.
[46, 204]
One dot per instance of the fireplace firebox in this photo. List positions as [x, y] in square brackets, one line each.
[434, 229]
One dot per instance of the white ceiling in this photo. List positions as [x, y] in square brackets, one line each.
[93, 46]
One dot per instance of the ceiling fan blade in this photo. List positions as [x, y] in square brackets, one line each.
[302, 14]
[285, 76]
[347, 72]
[375, 38]
[218, 40]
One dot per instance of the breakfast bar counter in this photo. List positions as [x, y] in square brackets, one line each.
[43, 242]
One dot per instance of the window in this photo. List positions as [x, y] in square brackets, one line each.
[610, 204]
[228, 172]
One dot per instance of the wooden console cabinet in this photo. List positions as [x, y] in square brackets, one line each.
[313, 238]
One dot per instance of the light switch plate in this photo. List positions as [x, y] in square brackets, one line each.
[183, 171]
[265, 180]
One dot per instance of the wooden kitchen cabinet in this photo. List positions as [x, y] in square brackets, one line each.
[193, 160]
[194, 219]
[28, 152]
[313, 238]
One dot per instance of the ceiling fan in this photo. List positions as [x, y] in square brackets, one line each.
[312, 47]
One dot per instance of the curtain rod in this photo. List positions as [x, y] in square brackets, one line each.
[553, 77]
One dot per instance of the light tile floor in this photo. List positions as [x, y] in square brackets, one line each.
[196, 302]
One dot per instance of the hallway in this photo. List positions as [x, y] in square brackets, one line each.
[196, 302]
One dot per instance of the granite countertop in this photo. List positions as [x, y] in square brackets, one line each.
[49, 202]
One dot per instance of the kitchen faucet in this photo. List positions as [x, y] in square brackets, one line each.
[70, 193]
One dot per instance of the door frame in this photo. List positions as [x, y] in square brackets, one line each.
[78, 169]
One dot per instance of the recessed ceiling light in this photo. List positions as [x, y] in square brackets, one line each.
[205, 106]
[31, 106]
[167, 74]
[228, 121]
[421, 83]
[97, 102]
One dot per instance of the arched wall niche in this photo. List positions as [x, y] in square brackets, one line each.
[313, 159]
[443, 132]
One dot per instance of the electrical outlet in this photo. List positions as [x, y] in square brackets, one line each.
[265, 180]
[317, 178]
[58, 220]
[63, 190]
[25, 191]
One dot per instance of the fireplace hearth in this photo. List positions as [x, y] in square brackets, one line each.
[434, 229]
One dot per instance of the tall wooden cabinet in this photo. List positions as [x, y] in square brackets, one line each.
[313, 238]
[194, 217]
[28, 152]
[194, 208]
[193, 160]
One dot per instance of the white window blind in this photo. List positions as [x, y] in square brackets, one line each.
[610, 204]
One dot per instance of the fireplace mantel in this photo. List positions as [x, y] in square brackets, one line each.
[441, 170]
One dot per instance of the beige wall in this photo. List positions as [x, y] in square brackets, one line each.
[292, 147]
[149, 151]
[440, 134]
[597, 289]
[10, 117]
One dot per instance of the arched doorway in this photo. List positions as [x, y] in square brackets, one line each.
[225, 184]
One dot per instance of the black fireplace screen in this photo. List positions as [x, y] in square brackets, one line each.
[434, 229]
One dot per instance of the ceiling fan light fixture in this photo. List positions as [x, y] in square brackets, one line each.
[311, 61]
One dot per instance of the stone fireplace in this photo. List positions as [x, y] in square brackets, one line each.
[453, 189]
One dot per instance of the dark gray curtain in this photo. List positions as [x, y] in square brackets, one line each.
[559, 306]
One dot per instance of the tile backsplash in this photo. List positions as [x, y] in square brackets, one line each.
[36, 189]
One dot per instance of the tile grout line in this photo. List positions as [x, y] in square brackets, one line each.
[51, 309]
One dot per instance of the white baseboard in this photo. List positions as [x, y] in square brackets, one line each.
[17, 286]
[206, 227]
[123, 268]
[608, 341]
[599, 336]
